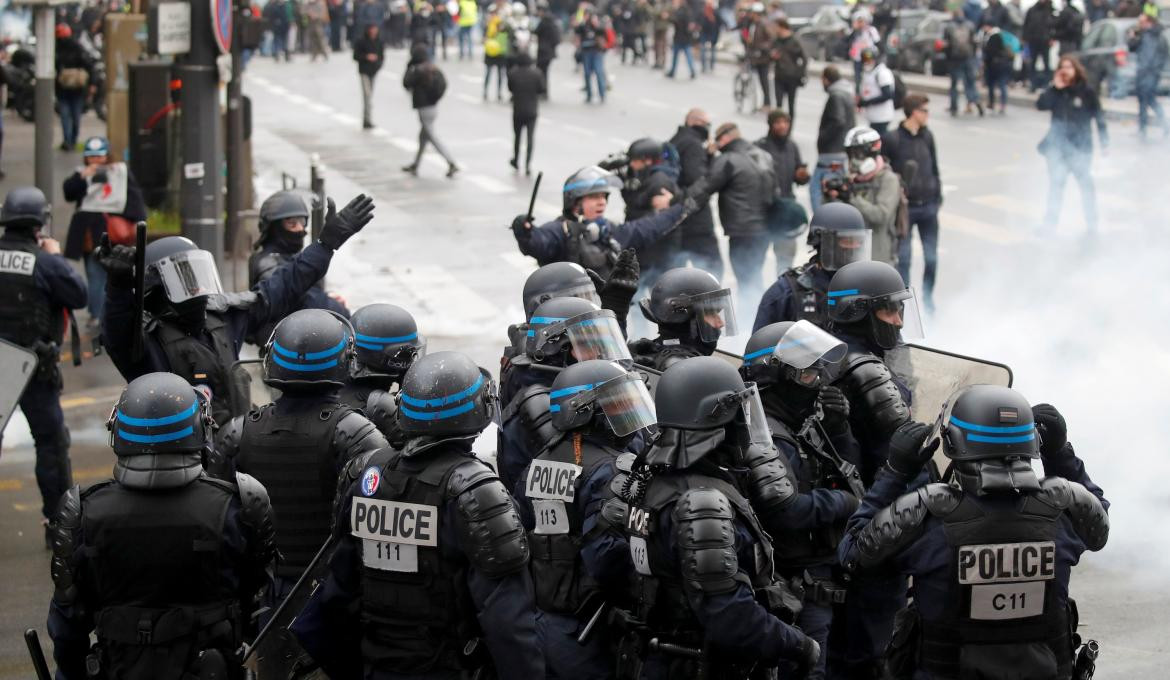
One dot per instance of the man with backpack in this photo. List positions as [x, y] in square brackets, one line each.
[427, 85]
[959, 37]
[999, 53]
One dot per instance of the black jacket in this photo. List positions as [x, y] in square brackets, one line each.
[785, 158]
[70, 54]
[900, 145]
[683, 20]
[837, 118]
[742, 190]
[548, 36]
[1038, 24]
[1073, 109]
[526, 83]
[366, 46]
[691, 144]
[426, 84]
[75, 188]
[791, 63]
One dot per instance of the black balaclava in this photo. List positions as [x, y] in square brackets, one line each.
[285, 241]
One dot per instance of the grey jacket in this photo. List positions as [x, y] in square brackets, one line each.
[877, 201]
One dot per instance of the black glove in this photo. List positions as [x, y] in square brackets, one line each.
[810, 653]
[522, 227]
[1052, 429]
[907, 453]
[835, 408]
[619, 289]
[118, 261]
[339, 226]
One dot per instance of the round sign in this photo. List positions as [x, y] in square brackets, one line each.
[221, 24]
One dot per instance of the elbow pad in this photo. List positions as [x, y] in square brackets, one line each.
[354, 435]
[870, 383]
[770, 483]
[705, 532]
[895, 527]
[256, 512]
[67, 522]
[492, 536]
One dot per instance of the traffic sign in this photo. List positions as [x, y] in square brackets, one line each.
[221, 24]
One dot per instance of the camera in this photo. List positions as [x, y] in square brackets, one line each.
[839, 182]
[614, 162]
[101, 176]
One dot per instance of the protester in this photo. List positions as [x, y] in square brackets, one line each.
[685, 29]
[791, 66]
[589, 36]
[1149, 46]
[526, 83]
[1038, 27]
[998, 58]
[789, 168]
[427, 85]
[962, 62]
[369, 52]
[1068, 146]
[876, 96]
[836, 119]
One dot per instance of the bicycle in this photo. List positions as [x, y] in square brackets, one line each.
[744, 90]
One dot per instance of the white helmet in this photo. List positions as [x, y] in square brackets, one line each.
[756, 8]
[519, 9]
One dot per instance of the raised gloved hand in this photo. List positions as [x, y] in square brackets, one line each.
[810, 653]
[118, 261]
[340, 226]
[617, 291]
[909, 450]
[522, 227]
[1052, 429]
[835, 409]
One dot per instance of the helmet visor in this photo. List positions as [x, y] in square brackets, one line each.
[189, 274]
[901, 310]
[753, 417]
[804, 344]
[839, 248]
[714, 315]
[585, 291]
[627, 404]
[597, 335]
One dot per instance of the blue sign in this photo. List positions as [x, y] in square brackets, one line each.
[221, 24]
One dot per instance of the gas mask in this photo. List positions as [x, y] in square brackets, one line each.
[863, 166]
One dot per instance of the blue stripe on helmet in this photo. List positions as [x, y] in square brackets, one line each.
[386, 341]
[443, 401]
[555, 408]
[831, 302]
[438, 415]
[155, 438]
[364, 345]
[571, 390]
[311, 355]
[596, 183]
[839, 293]
[747, 358]
[154, 422]
[545, 320]
[1001, 440]
[304, 367]
[992, 429]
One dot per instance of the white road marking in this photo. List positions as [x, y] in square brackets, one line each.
[489, 184]
[343, 118]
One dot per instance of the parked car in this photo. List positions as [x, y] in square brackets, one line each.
[800, 12]
[921, 49]
[824, 36]
[906, 23]
[1105, 54]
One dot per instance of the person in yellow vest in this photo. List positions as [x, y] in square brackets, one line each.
[468, 18]
[495, 50]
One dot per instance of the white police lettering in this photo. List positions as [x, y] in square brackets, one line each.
[1007, 562]
[639, 555]
[401, 557]
[392, 522]
[1003, 601]
[551, 480]
[17, 262]
[551, 517]
[637, 521]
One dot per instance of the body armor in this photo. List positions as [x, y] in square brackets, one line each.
[26, 314]
[199, 364]
[807, 300]
[660, 354]
[581, 248]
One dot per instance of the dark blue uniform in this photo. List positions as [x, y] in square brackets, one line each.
[37, 288]
[779, 303]
[547, 243]
[266, 262]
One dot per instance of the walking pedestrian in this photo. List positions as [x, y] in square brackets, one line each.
[912, 142]
[661, 27]
[685, 29]
[864, 36]
[548, 37]
[74, 84]
[427, 85]
[590, 39]
[786, 218]
[837, 119]
[709, 26]
[1068, 146]
[744, 193]
[317, 16]
[369, 52]
[1149, 46]
[1038, 25]
[760, 43]
[791, 66]
[278, 14]
[998, 58]
[962, 62]
[495, 51]
[526, 83]
[876, 96]
[468, 18]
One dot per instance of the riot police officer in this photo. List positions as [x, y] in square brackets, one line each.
[583, 235]
[596, 408]
[386, 343]
[561, 332]
[701, 561]
[431, 554]
[162, 563]
[991, 547]
[190, 327]
[692, 311]
[284, 219]
[838, 236]
[36, 286]
[792, 363]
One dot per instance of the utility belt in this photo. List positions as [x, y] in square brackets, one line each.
[48, 362]
[148, 626]
[142, 643]
[823, 590]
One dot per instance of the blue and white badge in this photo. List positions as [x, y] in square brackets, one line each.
[370, 479]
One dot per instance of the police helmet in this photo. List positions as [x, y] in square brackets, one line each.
[310, 349]
[857, 294]
[548, 340]
[983, 422]
[792, 351]
[161, 429]
[24, 207]
[387, 341]
[595, 388]
[445, 394]
[838, 233]
[586, 182]
[183, 271]
[280, 206]
[691, 302]
[558, 279]
[646, 148]
[705, 393]
[96, 147]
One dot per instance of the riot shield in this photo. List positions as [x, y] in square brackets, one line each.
[17, 365]
[650, 375]
[734, 359]
[933, 375]
[248, 375]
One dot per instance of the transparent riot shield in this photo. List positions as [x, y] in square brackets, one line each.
[734, 359]
[17, 365]
[248, 375]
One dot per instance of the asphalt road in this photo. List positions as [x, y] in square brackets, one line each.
[1080, 320]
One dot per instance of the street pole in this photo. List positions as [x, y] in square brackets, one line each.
[235, 136]
[200, 204]
[43, 104]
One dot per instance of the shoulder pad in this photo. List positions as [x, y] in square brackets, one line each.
[492, 536]
[256, 512]
[67, 521]
[870, 381]
[625, 462]
[382, 410]
[941, 499]
[1089, 518]
[770, 481]
[267, 263]
[705, 532]
[613, 515]
[537, 419]
[221, 461]
[354, 434]
[895, 527]
[855, 359]
[225, 301]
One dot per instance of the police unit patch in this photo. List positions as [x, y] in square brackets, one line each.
[370, 479]
[1007, 579]
[550, 480]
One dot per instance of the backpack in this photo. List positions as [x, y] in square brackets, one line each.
[1010, 42]
[959, 41]
[899, 90]
[763, 162]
